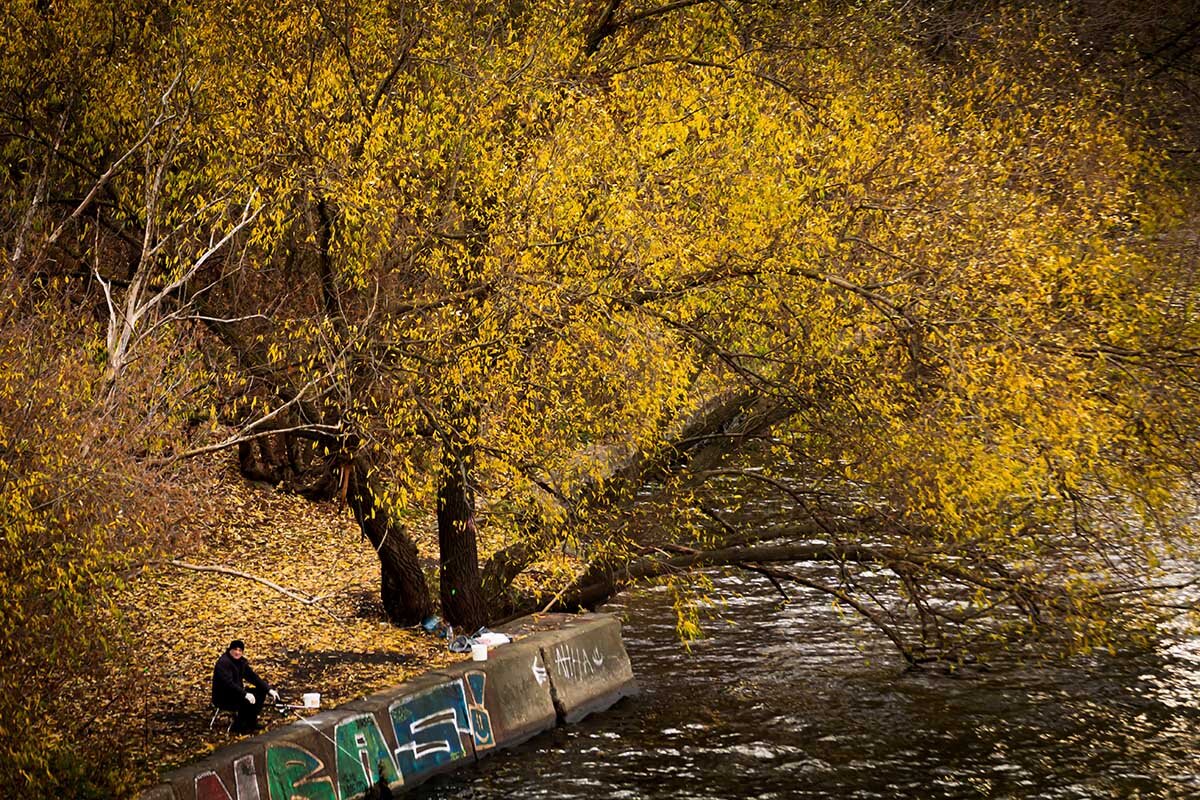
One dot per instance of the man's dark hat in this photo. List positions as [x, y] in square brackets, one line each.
[237, 644]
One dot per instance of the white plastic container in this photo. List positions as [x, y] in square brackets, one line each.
[479, 652]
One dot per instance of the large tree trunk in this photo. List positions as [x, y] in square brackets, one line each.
[405, 595]
[721, 427]
[403, 590]
[461, 592]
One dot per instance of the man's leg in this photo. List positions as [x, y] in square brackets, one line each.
[247, 713]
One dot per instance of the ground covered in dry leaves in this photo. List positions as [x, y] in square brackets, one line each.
[341, 646]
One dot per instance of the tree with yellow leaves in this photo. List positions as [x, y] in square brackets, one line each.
[490, 267]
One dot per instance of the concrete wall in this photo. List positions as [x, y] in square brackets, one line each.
[559, 668]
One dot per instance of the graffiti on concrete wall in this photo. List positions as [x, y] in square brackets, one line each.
[363, 757]
[481, 720]
[293, 773]
[431, 729]
[539, 671]
[209, 785]
[575, 663]
[396, 741]
[437, 726]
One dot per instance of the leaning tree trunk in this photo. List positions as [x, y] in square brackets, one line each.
[461, 591]
[405, 595]
[721, 427]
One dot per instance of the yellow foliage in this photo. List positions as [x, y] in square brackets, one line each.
[432, 228]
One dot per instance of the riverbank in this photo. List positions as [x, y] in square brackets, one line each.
[297, 582]
[558, 668]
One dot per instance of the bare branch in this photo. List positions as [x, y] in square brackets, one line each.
[162, 119]
[313, 601]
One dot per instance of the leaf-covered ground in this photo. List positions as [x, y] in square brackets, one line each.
[183, 619]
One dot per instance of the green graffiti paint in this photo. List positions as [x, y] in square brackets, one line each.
[362, 757]
[292, 775]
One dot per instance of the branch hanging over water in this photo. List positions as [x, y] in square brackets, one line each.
[722, 426]
[600, 582]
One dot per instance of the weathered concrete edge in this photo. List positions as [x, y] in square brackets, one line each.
[588, 667]
[560, 668]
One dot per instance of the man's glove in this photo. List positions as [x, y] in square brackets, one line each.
[274, 695]
[250, 698]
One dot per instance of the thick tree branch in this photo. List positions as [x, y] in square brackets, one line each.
[721, 426]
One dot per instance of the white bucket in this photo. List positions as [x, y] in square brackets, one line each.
[312, 700]
[479, 652]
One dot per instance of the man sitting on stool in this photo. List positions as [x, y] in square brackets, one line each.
[230, 676]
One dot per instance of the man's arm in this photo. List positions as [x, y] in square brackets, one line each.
[252, 677]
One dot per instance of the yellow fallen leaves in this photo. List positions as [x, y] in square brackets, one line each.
[341, 645]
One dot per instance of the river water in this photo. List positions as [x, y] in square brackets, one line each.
[795, 700]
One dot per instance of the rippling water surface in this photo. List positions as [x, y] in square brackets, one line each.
[794, 701]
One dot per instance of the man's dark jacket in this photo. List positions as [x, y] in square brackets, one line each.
[229, 680]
